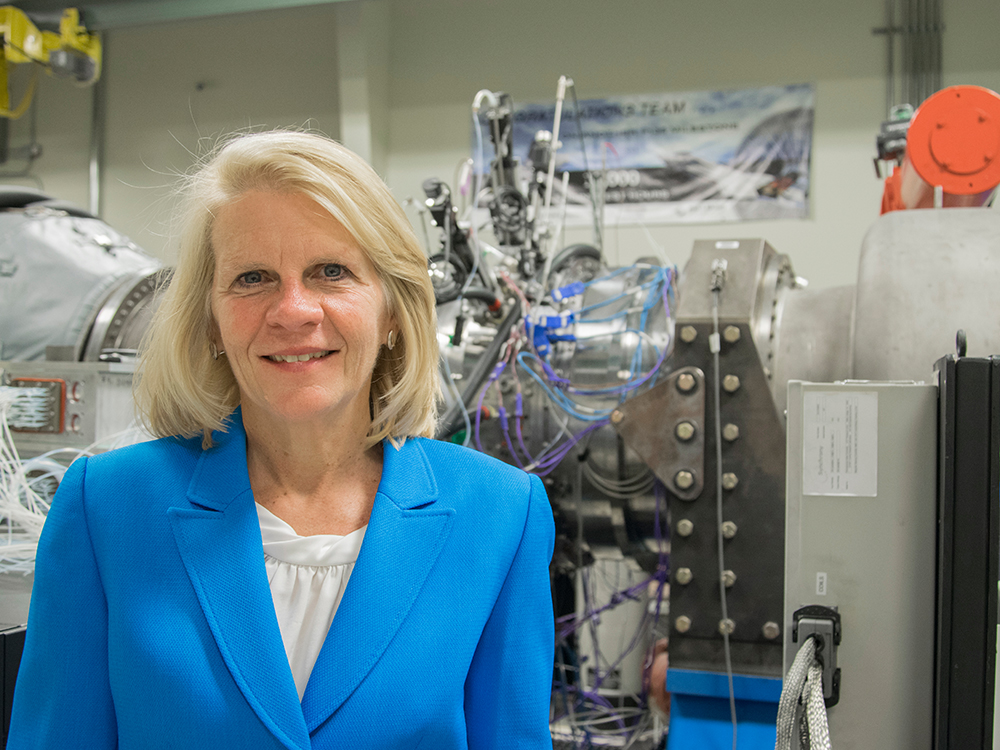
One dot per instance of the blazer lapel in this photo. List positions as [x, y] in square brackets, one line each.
[406, 533]
[218, 539]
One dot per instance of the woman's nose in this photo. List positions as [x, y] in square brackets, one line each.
[295, 305]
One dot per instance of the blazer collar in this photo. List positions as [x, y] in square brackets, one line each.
[406, 533]
[221, 474]
[219, 541]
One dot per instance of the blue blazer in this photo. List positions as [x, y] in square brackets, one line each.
[152, 624]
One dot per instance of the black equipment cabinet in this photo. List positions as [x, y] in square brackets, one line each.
[968, 552]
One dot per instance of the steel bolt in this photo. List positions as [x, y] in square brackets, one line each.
[685, 382]
[689, 334]
[683, 576]
[617, 417]
[729, 481]
[683, 431]
[728, 578]
[685, 527]
[771, 630]
[731, 334]
[730, 383]
[682, 624]
[727, 626]
[684, 479]
[730, 432]
[728, 529]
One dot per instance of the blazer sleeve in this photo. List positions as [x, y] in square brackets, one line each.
[63, 698]
[510, 679]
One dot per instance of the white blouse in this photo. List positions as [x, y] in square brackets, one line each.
[308, 576]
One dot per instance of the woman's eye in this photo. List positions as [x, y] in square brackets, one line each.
[333, 271]
[251, 277]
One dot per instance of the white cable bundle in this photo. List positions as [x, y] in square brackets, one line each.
[803, 688]
[22, 508]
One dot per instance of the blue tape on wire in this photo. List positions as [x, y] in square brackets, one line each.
[570, 290]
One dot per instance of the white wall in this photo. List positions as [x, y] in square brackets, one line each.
[281, 68]
[443, 52]
[172, 90]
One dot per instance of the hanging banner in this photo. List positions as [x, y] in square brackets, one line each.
[702, 156]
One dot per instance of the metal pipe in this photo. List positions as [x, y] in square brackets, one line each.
[452, 419]
[560, 96]
[925, 42]
[938, 45]
[905, 52]
[918, 49]
[97, 113]
[890, 76]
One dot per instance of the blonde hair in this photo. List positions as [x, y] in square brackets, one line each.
[182, 391]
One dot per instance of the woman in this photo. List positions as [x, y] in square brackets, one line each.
[292, 362]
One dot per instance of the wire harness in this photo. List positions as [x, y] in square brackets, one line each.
[802, 720]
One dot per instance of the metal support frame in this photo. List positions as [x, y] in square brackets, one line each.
[968, 552]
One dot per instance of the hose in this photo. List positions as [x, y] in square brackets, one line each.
[452, 419]
[483, 295]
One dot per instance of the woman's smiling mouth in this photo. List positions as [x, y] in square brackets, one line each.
[298, 357]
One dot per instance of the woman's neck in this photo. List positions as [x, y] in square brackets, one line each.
[316, 476]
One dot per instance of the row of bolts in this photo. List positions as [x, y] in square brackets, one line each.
[684, 479]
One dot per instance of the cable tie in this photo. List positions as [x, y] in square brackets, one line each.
[540, 340]
[570, 290]
[714, 343]
[558, 321]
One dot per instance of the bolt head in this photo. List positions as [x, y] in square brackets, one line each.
[728, 529]
[684, 527]
[683, 576]
[727, 626]
[682, 624]
[684, 479]
[730, 383]
[731, 334]
[688, 334]
[771, 630]
[684, 431]
[617, 417]
[685, 382]
[729, 481]
[730, 432]
[728, 578]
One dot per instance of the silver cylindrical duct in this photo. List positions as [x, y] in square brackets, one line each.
[69, 281]
[923, 275]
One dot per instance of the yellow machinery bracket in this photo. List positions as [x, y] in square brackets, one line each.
[73, 52]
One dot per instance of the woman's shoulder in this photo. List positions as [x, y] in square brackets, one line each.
[146, 464]
[451, 461]
[168, 449]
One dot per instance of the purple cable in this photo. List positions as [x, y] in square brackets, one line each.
[506, 436]
[518, 413]
[479, 404]
[631, 593]
[545, 464]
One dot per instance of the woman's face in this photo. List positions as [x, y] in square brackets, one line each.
[300, 310]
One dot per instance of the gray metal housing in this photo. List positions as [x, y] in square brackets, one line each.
[70, 281]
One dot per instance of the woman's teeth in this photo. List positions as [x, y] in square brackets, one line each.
[296, 357]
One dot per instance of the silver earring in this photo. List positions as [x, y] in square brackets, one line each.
[214, 350]
[390, 340]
